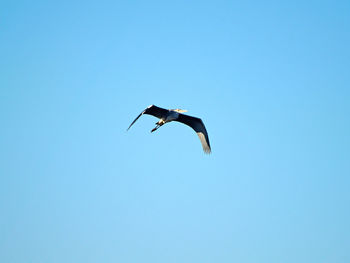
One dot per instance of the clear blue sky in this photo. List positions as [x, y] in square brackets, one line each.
[271, 81]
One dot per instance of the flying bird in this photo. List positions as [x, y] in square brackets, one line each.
[166, 116]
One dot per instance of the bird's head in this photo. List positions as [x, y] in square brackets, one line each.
[179, 110]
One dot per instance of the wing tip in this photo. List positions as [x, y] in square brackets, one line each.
[207, 150]
[205, 142]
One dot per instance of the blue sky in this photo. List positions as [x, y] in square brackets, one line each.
[270, 79]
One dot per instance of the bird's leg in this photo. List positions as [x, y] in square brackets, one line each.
[160, 123]
[158, 126]
[154, 129]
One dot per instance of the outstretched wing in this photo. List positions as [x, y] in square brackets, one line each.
[198, 125]
[152, 110]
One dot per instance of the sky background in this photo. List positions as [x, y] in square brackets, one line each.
[270, 80]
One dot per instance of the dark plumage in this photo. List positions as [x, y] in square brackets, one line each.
[166, 116]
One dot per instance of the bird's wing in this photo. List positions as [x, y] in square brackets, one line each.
[198, 125]
[152, 110]
[156, 111]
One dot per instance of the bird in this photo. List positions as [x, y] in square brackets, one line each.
[168, 115]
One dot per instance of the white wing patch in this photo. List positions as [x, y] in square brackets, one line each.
[204, 142]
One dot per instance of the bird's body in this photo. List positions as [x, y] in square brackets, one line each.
[171, 116]
[166, 116]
